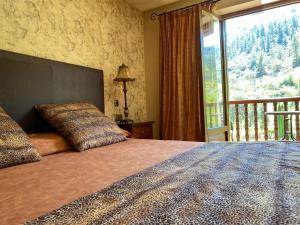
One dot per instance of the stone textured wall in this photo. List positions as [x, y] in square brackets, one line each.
[100, 34]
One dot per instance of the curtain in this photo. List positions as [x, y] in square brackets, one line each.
[182, 111]
[209, 6]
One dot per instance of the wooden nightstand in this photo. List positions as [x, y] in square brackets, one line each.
[141, 130]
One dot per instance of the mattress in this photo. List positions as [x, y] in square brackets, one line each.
[216, 183]
[31, 190]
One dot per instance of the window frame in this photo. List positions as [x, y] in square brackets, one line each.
[223, 19]
[261, 8]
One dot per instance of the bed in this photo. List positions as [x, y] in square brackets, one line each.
[31, 190]
[136, 181]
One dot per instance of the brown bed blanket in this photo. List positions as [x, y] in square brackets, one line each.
[217, 183]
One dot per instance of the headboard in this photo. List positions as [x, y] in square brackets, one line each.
[26, 81]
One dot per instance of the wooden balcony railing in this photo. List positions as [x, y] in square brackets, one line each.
[244, 113]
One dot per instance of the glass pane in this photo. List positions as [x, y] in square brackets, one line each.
[263, 54]
[212, 71]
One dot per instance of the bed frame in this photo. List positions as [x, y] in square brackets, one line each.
[26, 81]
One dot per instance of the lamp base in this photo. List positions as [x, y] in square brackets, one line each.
[125, 121]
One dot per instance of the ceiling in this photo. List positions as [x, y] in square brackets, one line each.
[223, 7]
[145, 5]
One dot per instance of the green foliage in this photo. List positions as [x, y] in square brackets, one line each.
[253, 64]
[276, 68]
[210, 75]
[295, 23]
[271, 55]
[263, 38]
[295, 50]
[266, 50]
[280, 36]
[289, 82]
[260, 71]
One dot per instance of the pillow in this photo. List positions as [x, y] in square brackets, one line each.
[82, 125]
[49, 143]
[15, 146]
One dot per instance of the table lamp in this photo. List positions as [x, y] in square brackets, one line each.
[123, 76]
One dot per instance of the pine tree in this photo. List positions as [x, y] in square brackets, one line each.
[268, 43]
[280, 38]
[284, 41]
[271, 31]
[256, 31]
[262, 44]
[253, 64]
[295, 23]
[286, 28]
[260, 70]
[262, 31]
[295, 50]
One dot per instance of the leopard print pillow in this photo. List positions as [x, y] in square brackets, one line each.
[15, 145]
[82, 125]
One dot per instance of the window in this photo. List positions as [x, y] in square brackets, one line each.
[263, 62]
[263, 54]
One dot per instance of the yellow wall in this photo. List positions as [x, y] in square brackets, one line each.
[151, 31]
[100, 34]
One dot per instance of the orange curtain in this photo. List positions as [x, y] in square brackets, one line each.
[209, 6]
[182, 113]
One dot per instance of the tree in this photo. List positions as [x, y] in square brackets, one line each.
[280, 38]
[286, 28]
[295, 23]
[289, 82]
[253, 64]
[271, 29]
[256, 31]
[284, 42]
[295, 52]
[260, 70]
[268, 43]
[262, 31]
[262, 44]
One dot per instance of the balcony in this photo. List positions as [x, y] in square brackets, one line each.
[249, 122]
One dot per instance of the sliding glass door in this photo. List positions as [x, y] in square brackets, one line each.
[213, 78]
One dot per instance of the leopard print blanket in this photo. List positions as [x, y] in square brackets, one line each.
[217, 183]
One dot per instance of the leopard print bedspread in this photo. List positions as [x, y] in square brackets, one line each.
[217, 183]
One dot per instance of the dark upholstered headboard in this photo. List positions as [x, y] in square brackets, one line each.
[26, 81]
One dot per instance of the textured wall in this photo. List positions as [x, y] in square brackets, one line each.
[101, 34]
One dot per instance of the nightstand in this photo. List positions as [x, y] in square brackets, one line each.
[141, 130]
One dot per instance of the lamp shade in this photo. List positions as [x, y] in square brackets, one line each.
[123, 74]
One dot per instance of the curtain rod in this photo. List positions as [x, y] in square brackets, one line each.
[155, 15]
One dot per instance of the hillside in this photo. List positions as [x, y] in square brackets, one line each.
[264, 60]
